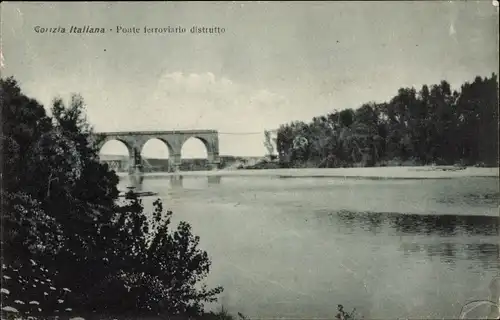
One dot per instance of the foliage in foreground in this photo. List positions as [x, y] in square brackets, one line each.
[434, 125]
[63, 228]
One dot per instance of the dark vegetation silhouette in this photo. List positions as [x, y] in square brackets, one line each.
[68, 246]
[435, 125]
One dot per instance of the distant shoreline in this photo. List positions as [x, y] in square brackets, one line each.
[417, 172]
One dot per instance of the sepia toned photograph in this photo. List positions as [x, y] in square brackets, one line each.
[249, 160]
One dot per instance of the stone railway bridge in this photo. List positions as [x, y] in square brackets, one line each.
[174, 140]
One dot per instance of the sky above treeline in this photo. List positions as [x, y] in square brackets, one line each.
[275, 62]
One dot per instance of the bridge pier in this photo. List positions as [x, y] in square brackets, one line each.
[213, 160]
[135, 162]
[213, 166]
[176, 162]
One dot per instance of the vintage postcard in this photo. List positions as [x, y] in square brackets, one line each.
[250, 160]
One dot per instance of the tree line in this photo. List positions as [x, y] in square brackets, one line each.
[68, 246]
[435, 125]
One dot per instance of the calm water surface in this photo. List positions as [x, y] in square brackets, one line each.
[297, 247]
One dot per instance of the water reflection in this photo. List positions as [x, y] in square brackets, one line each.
[484, 253]
[214, 179]
[181, 182]
[175, 181]
[417, 234]
[490, 198]
[416, 224]
[136, 182]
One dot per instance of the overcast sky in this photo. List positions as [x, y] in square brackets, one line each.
[276, 62]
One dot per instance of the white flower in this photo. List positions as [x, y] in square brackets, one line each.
[3, 290]
[34, 302]
[33, 262]
[7, 277]
[39, 309]
[18, 302]
[66, 289]
[60, 301]
[45, 294]
[52, 288]
[9, 309]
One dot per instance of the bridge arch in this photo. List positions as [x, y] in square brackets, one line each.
[195, 147]
[116, 153]
[111, 139]
[195, 152]
[156, 155]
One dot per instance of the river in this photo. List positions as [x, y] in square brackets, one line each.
[298, 247]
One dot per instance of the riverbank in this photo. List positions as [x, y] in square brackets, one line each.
[422, 172]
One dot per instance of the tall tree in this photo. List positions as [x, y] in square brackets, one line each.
[434, 125]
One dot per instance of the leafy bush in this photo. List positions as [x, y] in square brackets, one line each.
[162, 268]
[27, 229]
[59, 211]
